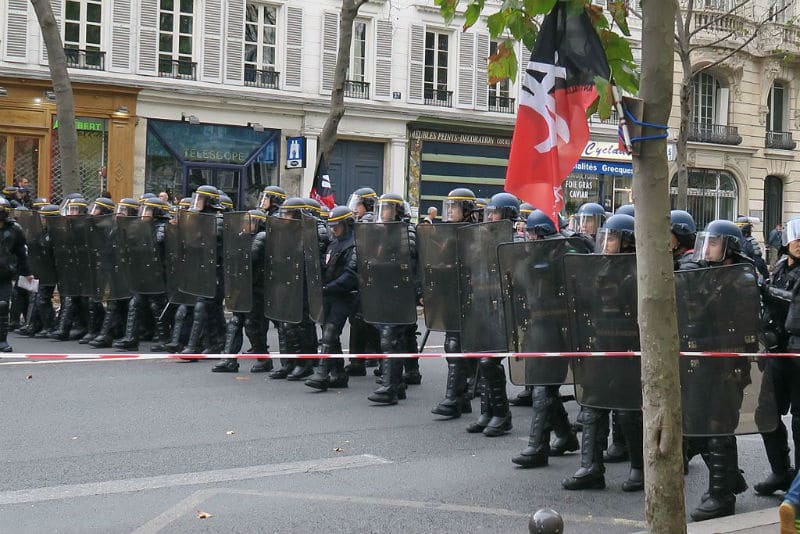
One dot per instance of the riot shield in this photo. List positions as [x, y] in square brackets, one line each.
[145, 263]
[536, 311]
[40, 254]
[69, 236]
[387, 284]
[198, 267]
[237, 243]
[482, 316]
[601, 291]
[110, 275]
[718, 311]
[313, 268]
[172, 264]
[284, 270]
[438, 267]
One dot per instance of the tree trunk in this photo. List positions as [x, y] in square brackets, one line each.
[664, 500]
[685, 102]
[328, 136]
[65, 104]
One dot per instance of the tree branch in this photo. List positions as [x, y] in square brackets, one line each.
[714, 19]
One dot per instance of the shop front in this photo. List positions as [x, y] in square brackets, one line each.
[239, 160]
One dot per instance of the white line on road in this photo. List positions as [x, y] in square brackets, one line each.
[187, 479]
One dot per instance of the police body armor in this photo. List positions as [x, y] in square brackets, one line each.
[437, 247]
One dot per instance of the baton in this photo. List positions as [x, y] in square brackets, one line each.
[424, 340]
[161, 317]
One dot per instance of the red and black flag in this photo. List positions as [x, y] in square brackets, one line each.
[322, 190]
[557, 88]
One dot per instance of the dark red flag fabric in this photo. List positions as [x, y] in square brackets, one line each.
[322, 190]
[557, 88]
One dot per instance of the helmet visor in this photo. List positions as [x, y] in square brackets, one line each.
[791, 232]
[73, 208]
[453, 210]
[386, 211]
[146, 212]
[492, 213]
[709, 247]
[588, 224]
[290, 212]
[608, 242]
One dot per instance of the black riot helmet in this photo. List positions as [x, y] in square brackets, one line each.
[525, 209]
[459, 205]
[315, 209]
[39, 203]
[205, 198]
[362, 201]
[480, 209]
[145, 196]
[127, 207]
[616, 235]
[49, 210]
[154, 208]
[720, 240]
[341, 217]
[626, 209]
[271, 198]
[257, 221]
[68, 197]
[101, 206]
[10, 192]
[546, 521]
[502, 206]
[74, 206]
[745, 224]
[185, 203]
[390, 207]
[5, 209]
[539, 225]
[683, 227]
[293, 208]
[226, 202]
[590, 217]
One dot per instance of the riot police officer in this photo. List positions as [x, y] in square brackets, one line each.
[589, 218]
[362, 203]
[683, 233]
[71, 315]
[41, 314]
[271, 199]
[100, 207]
[340, 285]
[13, 263]
[184, 312]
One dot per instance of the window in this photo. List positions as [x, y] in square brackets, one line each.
[719, 5]
[704, 103]
[500, 93]
[358, 52]
[437, 47]
[712, 194]
[176, 24]
[780, 11]
[82, 31]
[260, 45]
[775, 108]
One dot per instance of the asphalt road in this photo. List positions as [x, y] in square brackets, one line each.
[151, 446]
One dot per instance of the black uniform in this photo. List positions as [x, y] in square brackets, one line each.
[13, 263]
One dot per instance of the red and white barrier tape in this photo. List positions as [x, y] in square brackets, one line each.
[430, 355]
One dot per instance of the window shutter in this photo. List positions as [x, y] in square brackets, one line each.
[120, 36]
[294, 48]
[523, 58]
[212, 41]
[16, 41]
[383, 60]
[466, 71]
[234, 42]
[58, 9]
[148, 37]
[722, 106]
[481, 74]
[330, 47]
[416, 64]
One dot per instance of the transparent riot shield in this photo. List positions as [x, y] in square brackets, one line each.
[237, 243]
[40, 253]
[483, 326]
[438, 267]
[172, 265]
[284, 270]
[718, 311]
[198, 268]
[601, 291]
[110, 276]
[536, 311]
[146, 273]
[313, 268]
[387, 284]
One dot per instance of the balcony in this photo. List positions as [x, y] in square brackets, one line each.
[85, 59]
[438, 97]
[356, 89]
[613, 119]
[714, 133]
[501, 104]
[179, 69]
[267, 79]
[780, 141]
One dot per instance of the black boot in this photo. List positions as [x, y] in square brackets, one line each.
[411, 374]
[34, 322]
[4, 346]
[321, 378]
[454, 403]
[591, 474]
[777, 445]
[199, 323]
[392, 388]
[302, 369]
[95, 323]
[65, 319]
[538, 449]
[179, 323]
[228, 365]
[256, 329]
[131, 339]
[262, 365]
[283, 371]
[617, 452]
[486, 411]
[565, 438]
[500, 423]
[283, 346]
[103, 338]
[721, 500]
[631, 424]
[79, 327]
[339, 377]
[356, 367]
[524, 398]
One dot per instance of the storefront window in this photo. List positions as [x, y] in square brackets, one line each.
[608, 190]
[92, 158]
[712, 194]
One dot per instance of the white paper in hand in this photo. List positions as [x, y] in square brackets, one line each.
[32, 286]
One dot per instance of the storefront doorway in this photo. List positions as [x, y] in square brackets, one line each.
[19, 158]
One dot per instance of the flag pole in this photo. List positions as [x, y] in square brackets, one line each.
[623, 120]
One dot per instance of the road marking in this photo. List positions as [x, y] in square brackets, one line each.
[110, 487]
[189, 504]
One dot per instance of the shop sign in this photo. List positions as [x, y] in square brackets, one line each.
[605, 150]
[86, 125]
[460, 137]
[604, 167]
[222, 156]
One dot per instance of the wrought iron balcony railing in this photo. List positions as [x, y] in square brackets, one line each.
[355, 89]
[268, 79]
[179, 69]
[85, 59]
[714, 133]
[501, 104]
[438, 97]
[780, 140]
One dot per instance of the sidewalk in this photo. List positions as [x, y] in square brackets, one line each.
[758, 522]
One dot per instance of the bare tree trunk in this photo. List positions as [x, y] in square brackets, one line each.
[65, 104]
[664, 499]
[328, 136]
